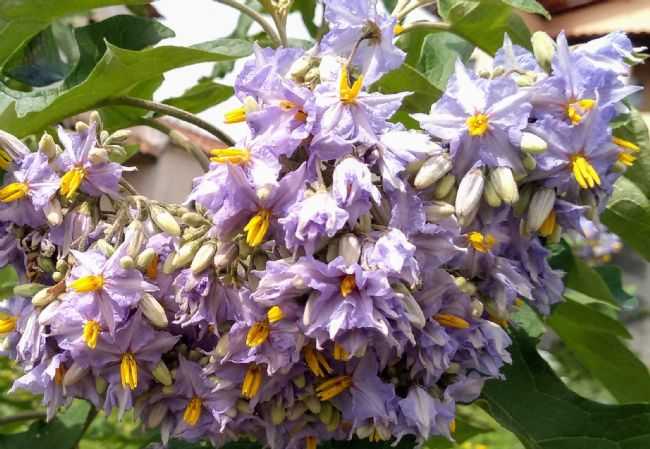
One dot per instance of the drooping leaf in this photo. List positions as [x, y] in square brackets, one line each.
[533, 403]
[532, 6]
[201, 96]
[613, 277]
[8, 280]
[117, 72]
[22, 20]
[118, 117]
[63, 432]
[439, 53]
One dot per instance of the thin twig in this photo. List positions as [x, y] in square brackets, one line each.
[27, 416]
[178, 138]
[412, 7]
[173, 112]
[425, 25]
[259, 18]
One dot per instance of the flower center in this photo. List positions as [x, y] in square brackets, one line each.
[575, 110]
[257, 227]
[13, 192]
[626, 156]
[333, 387]
[129, 371]
[193, 412]
[311, 442]
[349, 93]
[5, 159]
[258, 334]
[348, 284]
[481, 242]
[7, 323]
[252, 382]
[340, 353]
[237, 115]
[59, 374]
[586, 176]
[88, 284]
[91, 333]
[477, 124]
[548, 226]
[71, 181]
[274, 314]
[316, 362]
[452, 321]
[232, 156]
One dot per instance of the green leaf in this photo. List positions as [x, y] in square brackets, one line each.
[533, 403]
[595, 341]
[63, 432]
[526, 318]
[307, 10]
[409, 78]
[531, 6]
[202, 96]
[439, 54]
[22, 20]
[118, 117]
[117, 72]
[628, 215]
[632, 127]
[8, 280]
[613, 277]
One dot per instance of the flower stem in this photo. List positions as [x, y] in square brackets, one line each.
[425, 25]
[28, 416]
[173, 112]
[259, 18]
[178, 138]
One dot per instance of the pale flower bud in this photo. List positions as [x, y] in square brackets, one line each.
[225, 255]
[137, 238]
[519, 208]
[100, 385]
[529, 162]
[412, 309]
[153, 311]
[349, 248]
[532, 144]
[444, 186]
[145, 258]
[432, 170]
[278, 413]
[186, 254]
[165, 221]
[204, 257]
[156, 415]
[162, 374]
[49, 294]
[543, 49]
[540, 206]
[53, 212]
[313, 404]
[504, 184]
[28, 290]
[477, 308]
[127, 262]
[193, 219]
[98, 155]
[104, 247]
[74, 374]
[491, 196]
[468, 198]
[48, 146]
[437, 211]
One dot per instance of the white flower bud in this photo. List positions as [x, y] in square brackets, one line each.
[529, 162]
[541, 204]
[444, 186]
[104, 247]
[437, 211]
[412, 309]
[223, 346]
[225, 255]
[165, 221]
[156, 415]
[145, 258]
[297, 411]
[477, 308]
[168, 265]
[504, 184]
[349, 248]
[81, 127]
[127, 262]
[204, 257]
[469, 196]
[543, 49]
[278, 413]
[264, 192]
[137, 238]
[28, 290]
[161, 374]
[48, 146]
[98, 155]
[491, 196]
[153, 311]
[432, 170]
[118, 137]
[186, 254]
[48, 294]
[193, 219]
[301, 66]
[313, 404]
[74, 374]
[325, 414]
[532, 144]
[53, 212]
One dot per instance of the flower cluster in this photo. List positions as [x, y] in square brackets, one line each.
[334, 275]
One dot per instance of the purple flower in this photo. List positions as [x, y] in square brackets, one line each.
[76, 229]
[28, 192]
[613, 52]
[266, 65]
[513, 58]
[94, 179]
[356, 25]
[15, 314]
[311, 221]
[353, 189]
[394, 254]
[424, 415]
[479, 118]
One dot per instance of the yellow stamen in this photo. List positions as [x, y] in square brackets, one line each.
[7, 323]
[59, 373]
[236, 115]
[252, 382]
[626, 159]
[129, 371]
[311, 443]
[452, 426]
[71, 181]
[477, 124]
[274, 314]
[152, 268]
[481, 242]
[316, 361]
[625, 144]
[5, 160]
[548, 227]
[519, 302]
[586, 176]
[13, 192]
[340, 353]
[375, 436]
[88, 284]
[333, 387]
[398, 29]
[258, 334]
[576, 110]
[453, 321]
[257, 227]
[193, 412]
[347, 93]
[232, 156]
[348, 284]
[287, 105]
[91, 333]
